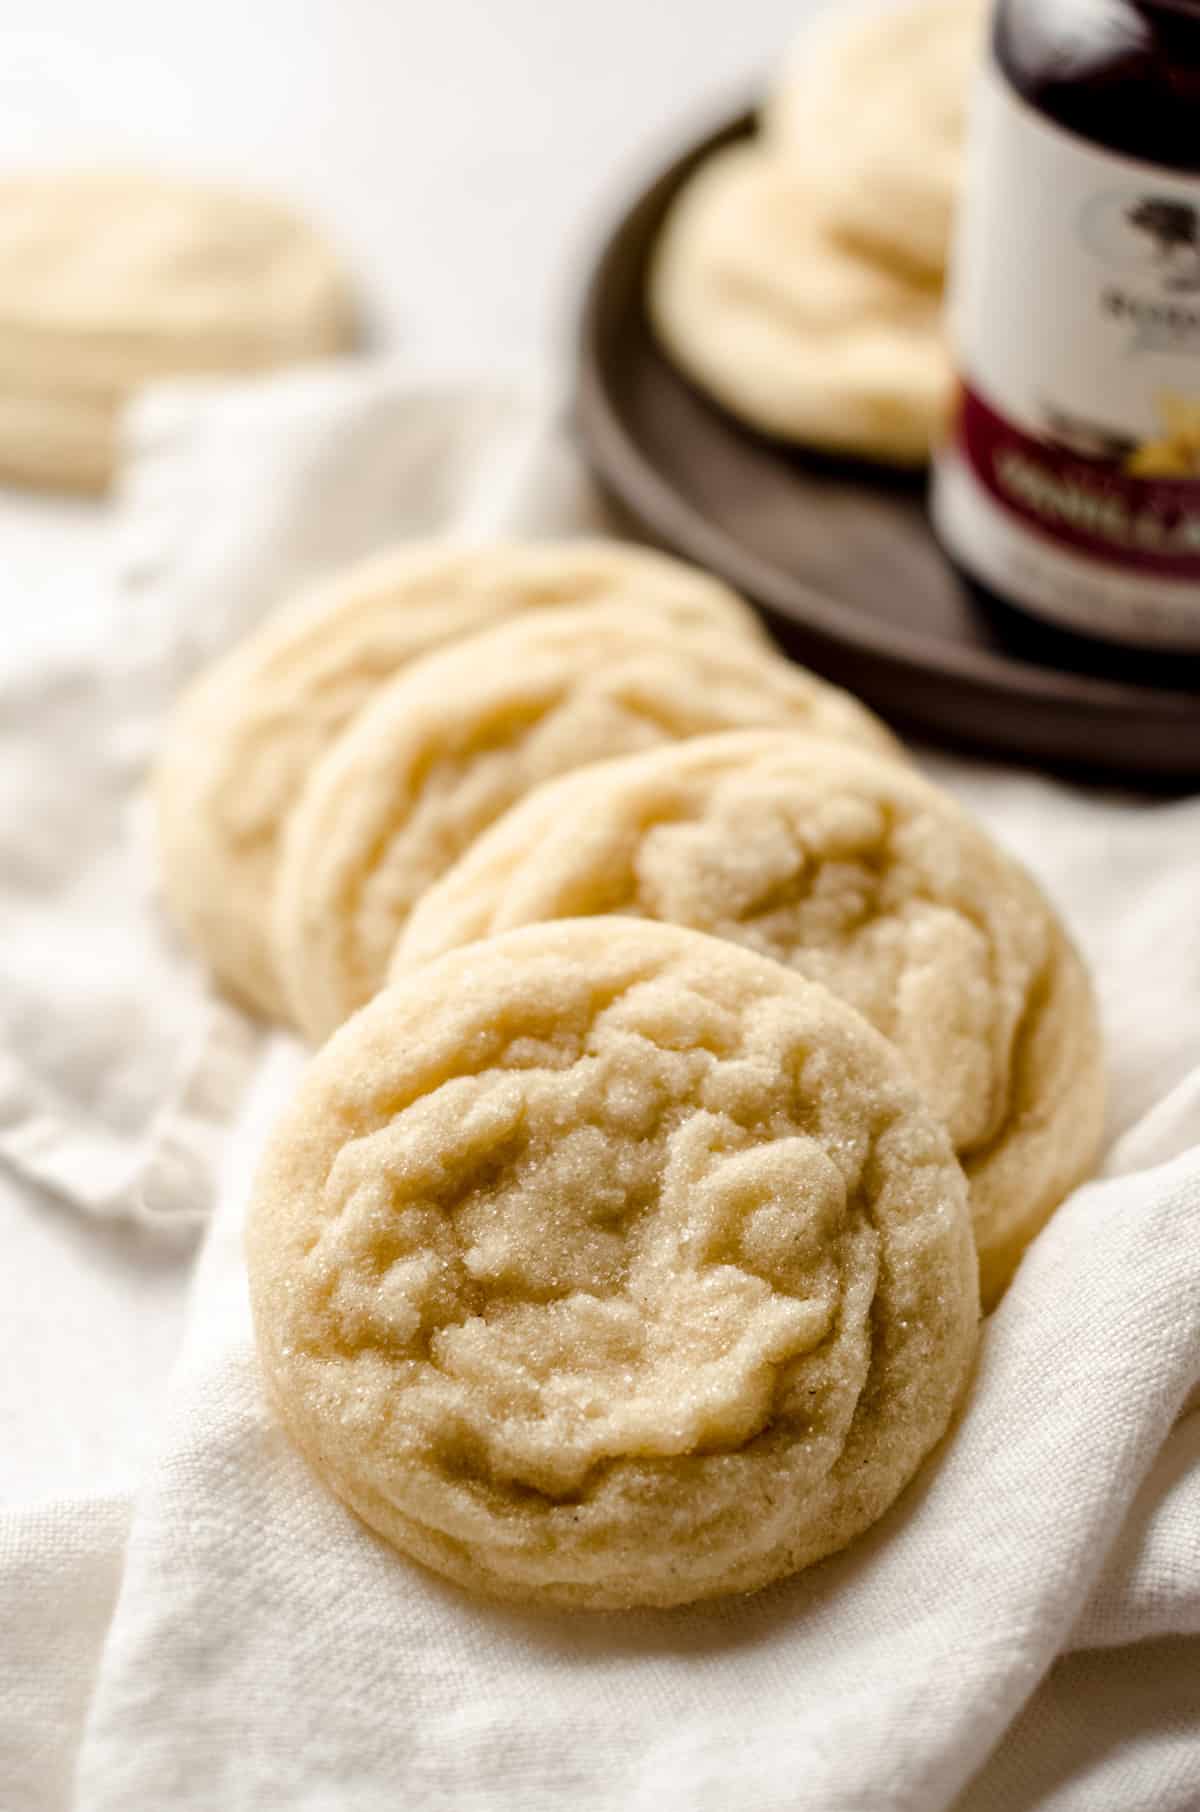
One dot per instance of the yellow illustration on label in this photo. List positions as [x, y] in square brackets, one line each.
[1176, 454]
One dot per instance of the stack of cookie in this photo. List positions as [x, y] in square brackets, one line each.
[335, 765]
[799, 275]
[115, 279]
[626, 1246]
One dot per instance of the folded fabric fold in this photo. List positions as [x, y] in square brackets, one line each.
[267, 1649]
[119, 1065]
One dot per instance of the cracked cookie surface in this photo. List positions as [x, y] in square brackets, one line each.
[903, 75]
[245, 735]
[607, 1264]
[788, 327]
[448, 746]
[858, 874]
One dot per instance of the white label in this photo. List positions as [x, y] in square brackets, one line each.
[1073, 481]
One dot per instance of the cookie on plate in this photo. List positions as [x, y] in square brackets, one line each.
[790, 328]
[859, 874]
[244, 736]
[448, 746]
[871, 110]
[607, 1264]
[110, 279]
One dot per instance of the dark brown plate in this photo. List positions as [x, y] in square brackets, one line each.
[842, 560]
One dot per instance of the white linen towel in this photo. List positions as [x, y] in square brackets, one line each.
[118, 1063]
[1023, 1630]
[268, 1651]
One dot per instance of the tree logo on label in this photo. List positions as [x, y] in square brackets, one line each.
[1155, 236]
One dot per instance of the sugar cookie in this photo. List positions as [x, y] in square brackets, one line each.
[607, 1264]
[111, 279]
[790, 329]
[871, 111]
[447, 747]
[859, 874]
[245, 735]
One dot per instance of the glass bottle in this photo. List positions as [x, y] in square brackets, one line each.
[1070, 484]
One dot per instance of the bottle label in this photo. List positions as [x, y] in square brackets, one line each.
[1072, 480]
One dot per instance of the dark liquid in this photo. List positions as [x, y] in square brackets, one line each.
[1132, 85]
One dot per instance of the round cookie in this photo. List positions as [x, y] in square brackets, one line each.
[57, 443]
[871, 110]
[448, 746]
[244, 736]
[111, 279]
[606, 1264]
[860, 875]
[787, 327]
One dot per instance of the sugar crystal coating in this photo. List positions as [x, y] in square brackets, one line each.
[607, 1264]
[245, 735]
[449, 745]
[857, 873]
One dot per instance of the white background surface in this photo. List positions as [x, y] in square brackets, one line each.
[461, 151]
[466, 155]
